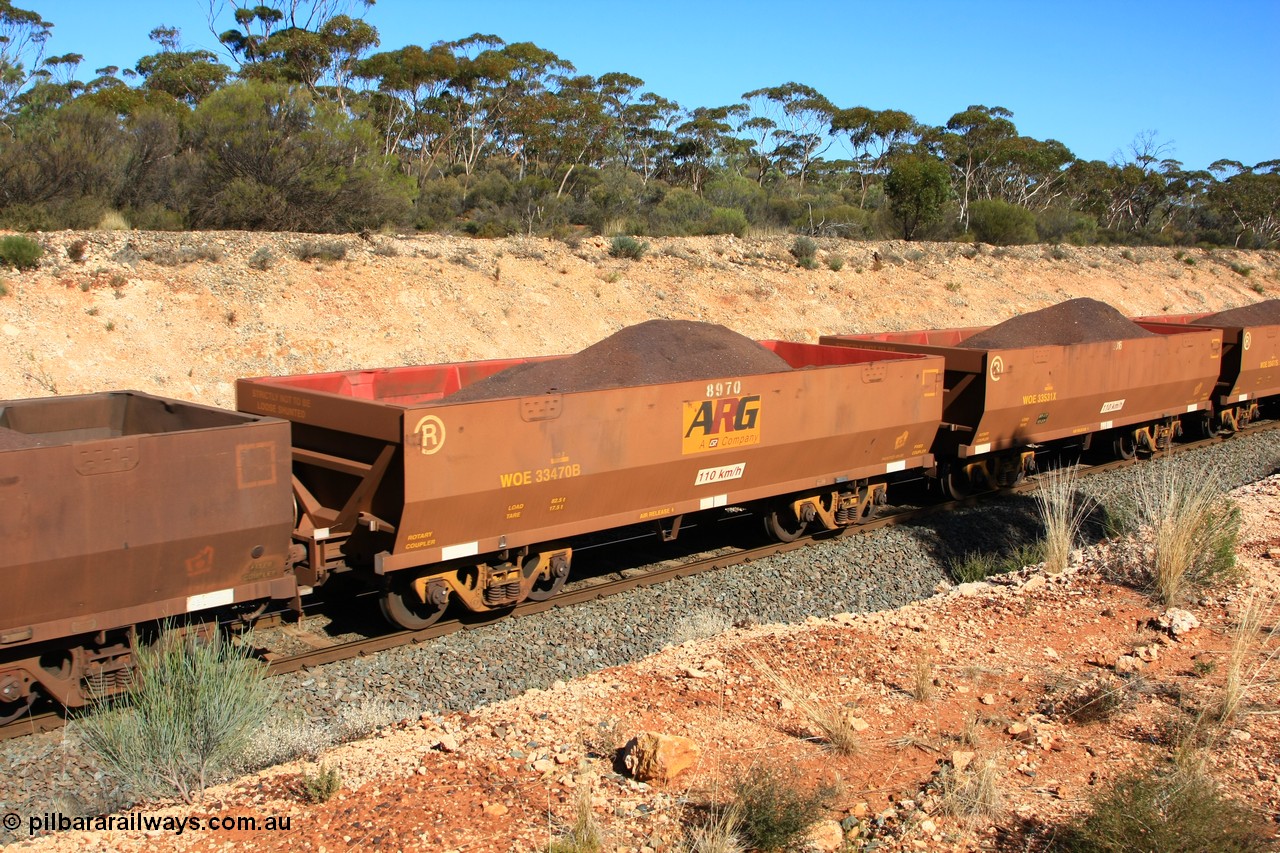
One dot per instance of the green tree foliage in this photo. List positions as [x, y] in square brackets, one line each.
[23, 34]
[494, 138]
[188, 76]
[916, 186]
[1000, 223]
[275, 157]
[1252, 198]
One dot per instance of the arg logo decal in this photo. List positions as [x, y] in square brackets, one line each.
[720, 423]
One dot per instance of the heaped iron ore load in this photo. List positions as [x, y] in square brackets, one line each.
[119, 508]
[645, 354]
[1048, 376]
[1250, 359]
[400, 472]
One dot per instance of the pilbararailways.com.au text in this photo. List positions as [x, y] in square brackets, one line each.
[56, 822]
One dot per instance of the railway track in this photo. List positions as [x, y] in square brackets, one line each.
[324, 651]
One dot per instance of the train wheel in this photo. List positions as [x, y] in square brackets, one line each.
[1199, 426]
[400, 605]
[956, 484]
[13, 711]
[783, 526]
[545, 588]
[1123, 446]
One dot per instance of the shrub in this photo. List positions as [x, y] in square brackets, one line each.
[625, 246]
[727, 220]
[805, 251]
[192, 710]
[1063, 225]
[835, 263]
[1001, 224]
[321, 787]
[976, 566]
[777, 810]
[320, 250]
[262, 259]
[4, 287]
[1241, 269]
[1171, 811]
[19, 252]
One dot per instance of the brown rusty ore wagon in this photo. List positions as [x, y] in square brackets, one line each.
[1001, 404]
[1250, 370]
[121, 508]
[478, 500]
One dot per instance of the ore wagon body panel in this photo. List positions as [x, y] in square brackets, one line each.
[1250, 357]
[998, 399]
[394, 476]
[122, 507]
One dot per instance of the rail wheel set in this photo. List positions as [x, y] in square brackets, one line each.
[120, 511]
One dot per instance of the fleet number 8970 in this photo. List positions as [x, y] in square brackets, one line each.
[724, 389]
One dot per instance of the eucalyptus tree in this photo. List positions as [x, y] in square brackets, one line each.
[647, 127]
[701, 143]
[188, 76]
[974, 141]
[917, 186]
[801, 117]
[23, 34]
[311, 42]
[1251, 195]
[873, 136]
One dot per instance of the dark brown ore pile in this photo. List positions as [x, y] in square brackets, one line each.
[1258, 314]
[648, 353]
[13, 440]
[1076, 321]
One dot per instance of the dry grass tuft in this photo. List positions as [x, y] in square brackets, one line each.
[1062, 510]
[922, 678]
[1086, 700]
[1186, 529]
[833, 723]
[1239, 680]
[584, 835]
[972, 793]
[719, 834]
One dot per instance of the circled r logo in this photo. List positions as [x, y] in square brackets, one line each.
[430, 432]
[997, 368]
[1248, 339]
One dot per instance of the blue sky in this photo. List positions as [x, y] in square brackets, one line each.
[1204, 77]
